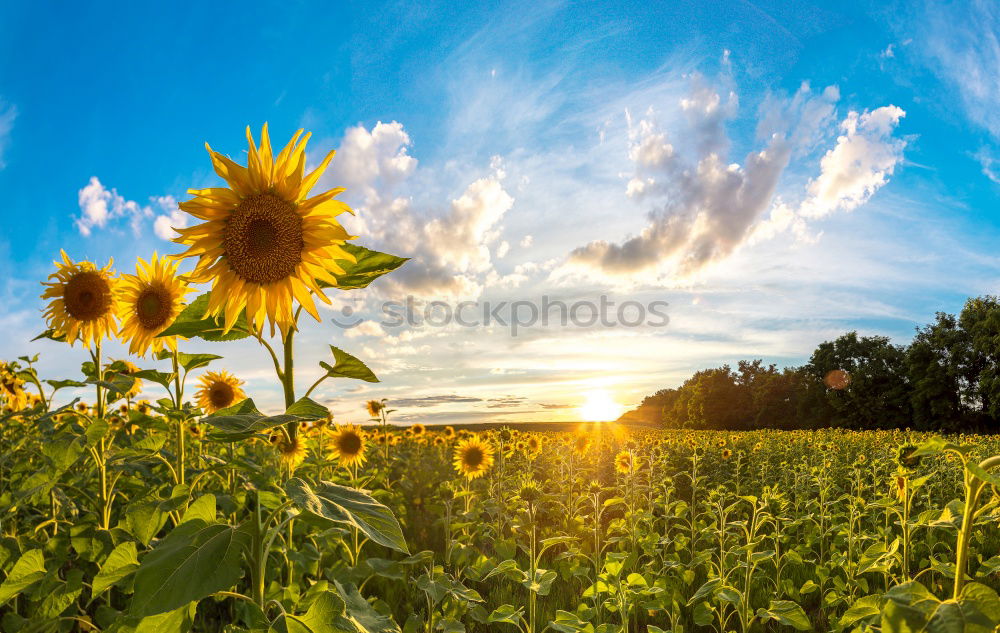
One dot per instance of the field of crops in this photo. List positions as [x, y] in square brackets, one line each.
[602, 529]
[152, 495]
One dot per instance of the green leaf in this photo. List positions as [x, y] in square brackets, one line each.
[28, 570]
[506, 614]
[347, 366]
[788, 613]
[321, 617]
[159, 377]
[203, 509]
[122, 562]
[192, 322]
[307, 409]
[192, 562]
[862, 608]
[243, 420]
[334, 504]
[180, 620]
[51, 335]
[361, 615]
[370, 265]
[193, 361]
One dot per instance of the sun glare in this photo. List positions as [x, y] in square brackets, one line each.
[600, 407]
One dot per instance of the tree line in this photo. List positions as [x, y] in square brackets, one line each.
[946, 379]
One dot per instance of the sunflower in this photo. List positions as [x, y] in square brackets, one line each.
[449, 432]
[12, 388]
[195, 431]
[581, 444]
[219, 389]
[726, 454]
[264, 243]
[374, 407]
[349, 443]
[417, 429]
[149, 301]
[292, 451]
[129, 370]
[623, 462]
[534, 445]
[83, 305]
[473, 457]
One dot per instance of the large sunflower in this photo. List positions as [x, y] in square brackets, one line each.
[264, 243]
[150, 300]
[349, 443]
[219, 389]
[473, 457]
[82, 305]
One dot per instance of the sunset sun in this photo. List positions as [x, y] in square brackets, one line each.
[600, 407]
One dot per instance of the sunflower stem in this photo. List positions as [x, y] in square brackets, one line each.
[180, 423]
[288, 378]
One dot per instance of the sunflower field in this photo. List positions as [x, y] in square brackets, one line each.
[195, 511]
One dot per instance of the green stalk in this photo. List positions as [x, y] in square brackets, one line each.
[180, 422]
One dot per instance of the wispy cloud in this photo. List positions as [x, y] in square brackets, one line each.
[103, 208]
[7, 115]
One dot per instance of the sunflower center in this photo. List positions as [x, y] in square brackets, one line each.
[263, 239]
[152, 308]
[221, 395]
[87, 296]
[349, 444]
[473, 457]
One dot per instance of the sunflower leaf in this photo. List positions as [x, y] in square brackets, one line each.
[194, 361]
[331, 504]
[370, 265]
[192, 322]
[242, 420]
[347, 366]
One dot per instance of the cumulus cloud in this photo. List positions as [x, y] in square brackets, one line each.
[100, 207]
[103, 208]
[862, 160]
[449, 243]
[7, 115]
[705, 206]
[171, 218]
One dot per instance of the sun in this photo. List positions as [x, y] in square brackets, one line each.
[600, 407]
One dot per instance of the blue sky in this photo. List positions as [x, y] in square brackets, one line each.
[777, 172]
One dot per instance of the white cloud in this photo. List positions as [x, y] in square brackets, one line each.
[103, 208]
[859, 164]
[705, 207]
[7, 115]
[172, 218]
[449, 247]
[526, 241]
[503, 249]
[100, 207]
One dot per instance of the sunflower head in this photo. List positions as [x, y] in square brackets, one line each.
[726, 454]
[449, 432]
[292, 451]
[349, 444]
[374, 407]
[149, 302]
[581, 444]
[417, 429]
[12, 392]
[219, 389]
[534, 445]
[82, 302]
[623, 462]
[264, 242]
[473, 457]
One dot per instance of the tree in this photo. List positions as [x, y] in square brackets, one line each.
[874, 392]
